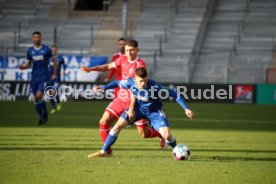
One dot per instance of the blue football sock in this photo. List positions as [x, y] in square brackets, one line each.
[53, 103]
[110, 140]
[38, 108]
[57, 98]
[172, 143]
[43, 107]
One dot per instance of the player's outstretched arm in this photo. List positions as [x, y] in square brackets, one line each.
[110, 75]
[112, 85]
[182, 103]
[126, 84]
[100, 68]
[26, 66]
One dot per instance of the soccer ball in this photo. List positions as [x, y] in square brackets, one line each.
[181, 152]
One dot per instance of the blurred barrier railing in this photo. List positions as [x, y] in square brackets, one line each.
[200, 37]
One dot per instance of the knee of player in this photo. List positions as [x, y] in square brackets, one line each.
[142, 134]
[166, 137]
[116, 130]
[165, 134]
[104, 122]
[37, 98]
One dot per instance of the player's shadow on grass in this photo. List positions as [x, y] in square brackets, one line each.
[70, 147]
[214, 158]
[230, 159]
[234, 150]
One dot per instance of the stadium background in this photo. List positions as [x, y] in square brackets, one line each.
[189, 42]
[196, 43]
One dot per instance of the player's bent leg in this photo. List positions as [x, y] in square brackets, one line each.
[121, 124]
[41, 108]
[111, 139]
[59, 105]
[145, 132]
[105, 123]
[38, 96]
[167, 135]
[54, 107]
[111, 114]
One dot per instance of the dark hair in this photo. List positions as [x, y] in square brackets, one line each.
[141, 72]
[36, 33]
[54, 46]
[121, 39]
[132, 42]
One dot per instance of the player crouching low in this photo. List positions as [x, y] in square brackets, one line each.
[144, 105]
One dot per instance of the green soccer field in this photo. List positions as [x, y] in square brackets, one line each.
[229, 144]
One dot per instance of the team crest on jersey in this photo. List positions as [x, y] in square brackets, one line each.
[130, 71]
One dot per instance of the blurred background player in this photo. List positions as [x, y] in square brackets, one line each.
[38, 57]
[117, 71]
[121, 52]
[127, 65]
[55, 102]
[145, 104]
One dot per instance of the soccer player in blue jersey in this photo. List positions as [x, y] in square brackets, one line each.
[55, 102]
[145, 104]
[38, 57]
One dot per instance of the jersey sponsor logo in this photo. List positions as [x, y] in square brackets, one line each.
[142, 98]
[38, 58]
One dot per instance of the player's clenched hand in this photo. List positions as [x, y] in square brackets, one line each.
[190, 114]
[106, 80]
[85, 69]
[54, 76]
[98, 89]
[131, 115]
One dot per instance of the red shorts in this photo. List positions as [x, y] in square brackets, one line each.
[118, 106]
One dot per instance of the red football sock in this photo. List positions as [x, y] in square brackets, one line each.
[104, 131]
[152, 133]
[155, 133]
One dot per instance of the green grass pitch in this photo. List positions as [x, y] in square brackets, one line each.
[229, 144]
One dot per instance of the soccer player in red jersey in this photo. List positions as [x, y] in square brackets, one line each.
[127, 65]
[121, 52]
[117, 71]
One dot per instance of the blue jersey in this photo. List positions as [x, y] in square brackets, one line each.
[61, 63]
[40, 58]
[147, 99]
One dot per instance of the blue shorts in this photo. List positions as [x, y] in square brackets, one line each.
[38, 85]
[54, 83]
[157, 120]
